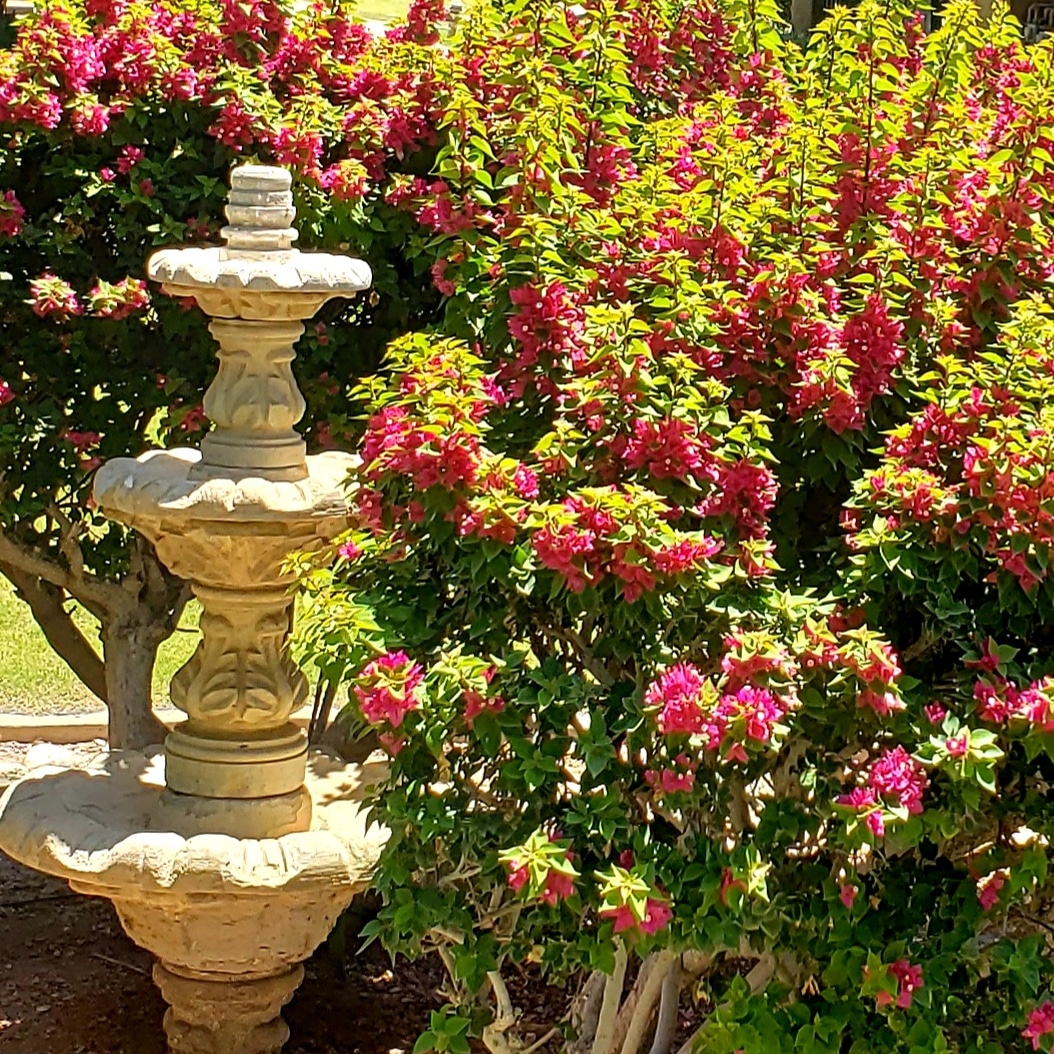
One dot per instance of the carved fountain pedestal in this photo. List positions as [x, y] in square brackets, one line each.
[230, 855]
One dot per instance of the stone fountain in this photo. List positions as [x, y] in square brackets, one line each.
[229, 855]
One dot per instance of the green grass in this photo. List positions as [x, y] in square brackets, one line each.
[34, 680]
[382, 10]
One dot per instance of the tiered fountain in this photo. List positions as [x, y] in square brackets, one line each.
[231, 855]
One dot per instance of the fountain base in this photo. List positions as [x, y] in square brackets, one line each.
[217, 1015]
[250, 768]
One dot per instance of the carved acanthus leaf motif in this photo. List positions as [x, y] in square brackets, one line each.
[241, 677]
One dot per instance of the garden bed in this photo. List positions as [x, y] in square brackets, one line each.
[71, 980]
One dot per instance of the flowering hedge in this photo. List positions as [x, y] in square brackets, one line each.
[700, 584]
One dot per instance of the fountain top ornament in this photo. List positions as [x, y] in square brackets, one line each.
[258, 258]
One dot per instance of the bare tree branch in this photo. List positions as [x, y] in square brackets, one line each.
[582, 652]
[94, 593]
[69, 540]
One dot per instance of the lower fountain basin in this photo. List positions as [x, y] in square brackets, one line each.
[229, 919]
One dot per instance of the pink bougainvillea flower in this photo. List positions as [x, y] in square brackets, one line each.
[883, 703]
[677, 696]
[81, 441]
[558, 886]
[990, 886]
[525, 481]
[863, 800]
[935, 713]
[392, 743]
[476, 704]
[389, 688]
[728, 883]
[559, 882]
[909, 981]
[349, 551]
[657, 915]
[118, 300]
[898, 778]
[1040, 1025]
[11, 214]
[670, 781]
[130, 157]
[50, 296]
[622, 916]
[518, 876]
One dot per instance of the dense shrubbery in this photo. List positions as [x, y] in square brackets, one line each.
[701, 586]
[700, 589]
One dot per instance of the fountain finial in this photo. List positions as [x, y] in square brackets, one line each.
[260, 210]
[258, 276]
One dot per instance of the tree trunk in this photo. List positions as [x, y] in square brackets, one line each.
[148, 613]
[130, 650]
[136, 614]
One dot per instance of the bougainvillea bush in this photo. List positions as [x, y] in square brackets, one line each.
[119, 122]
[700, 585]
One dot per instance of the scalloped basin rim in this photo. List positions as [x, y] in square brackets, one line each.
[289, 271]
[157, 483]
[92, 826]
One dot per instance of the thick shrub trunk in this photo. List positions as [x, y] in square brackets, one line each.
[146, 613]
[129, 654]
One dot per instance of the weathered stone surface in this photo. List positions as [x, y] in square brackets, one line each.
[236, 1017]
[231, 537]
[158, 486]
[258, 258]
[231, 856]
[106, 825]
[292, 273]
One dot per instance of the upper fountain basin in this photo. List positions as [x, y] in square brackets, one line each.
[258, 285]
